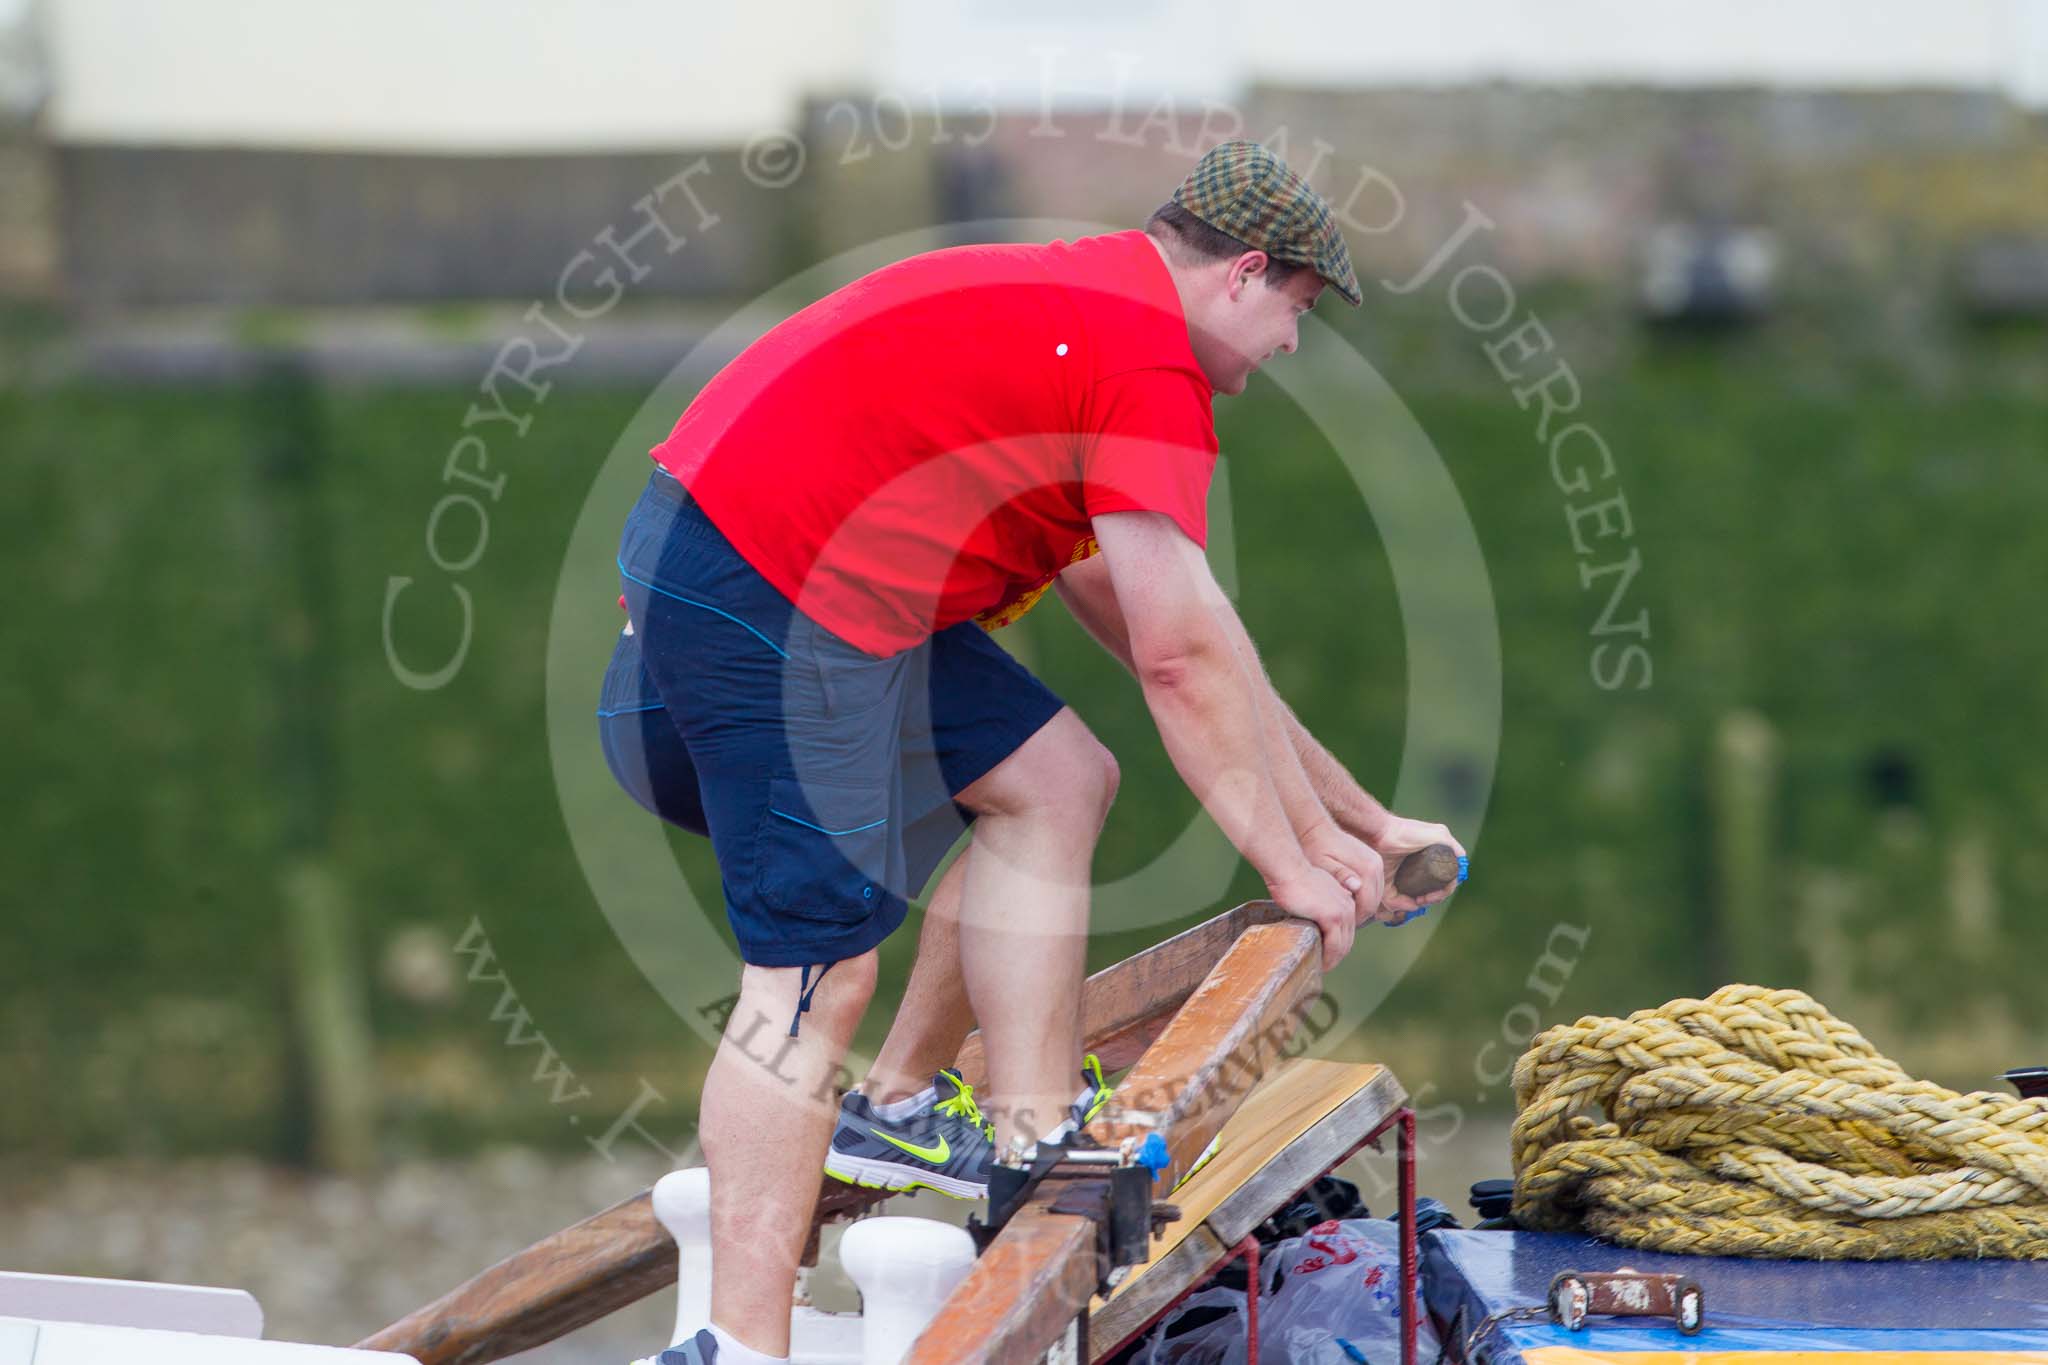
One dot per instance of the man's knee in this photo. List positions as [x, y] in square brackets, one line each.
[1062, 769]
[1109, 776]
[1086, 779]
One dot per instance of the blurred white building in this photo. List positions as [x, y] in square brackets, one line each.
[539, 75]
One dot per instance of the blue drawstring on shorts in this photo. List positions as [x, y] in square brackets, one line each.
[805, 990]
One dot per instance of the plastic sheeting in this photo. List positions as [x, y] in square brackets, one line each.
[1338, 1297]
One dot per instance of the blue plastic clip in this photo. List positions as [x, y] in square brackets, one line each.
[1152, 1154]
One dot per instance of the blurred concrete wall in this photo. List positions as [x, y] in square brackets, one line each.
[1849, 180]
[147, 226]
[1858, 188]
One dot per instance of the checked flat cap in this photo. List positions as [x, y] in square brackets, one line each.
[1244, 190]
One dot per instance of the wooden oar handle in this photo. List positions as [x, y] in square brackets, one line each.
[1426, 870]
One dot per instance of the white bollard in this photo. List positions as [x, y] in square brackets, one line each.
[682, 1201]
[904, 1269]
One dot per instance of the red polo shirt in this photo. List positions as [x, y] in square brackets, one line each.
[926, 445]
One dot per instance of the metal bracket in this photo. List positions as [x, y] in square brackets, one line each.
[1126, 1220]
[1110, 1187]
[1577, 1295]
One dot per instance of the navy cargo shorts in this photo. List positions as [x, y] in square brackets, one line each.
[823, 775]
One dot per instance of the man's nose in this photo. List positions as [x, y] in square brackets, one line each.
[1293, 340]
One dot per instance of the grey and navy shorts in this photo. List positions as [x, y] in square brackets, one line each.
[824, 776]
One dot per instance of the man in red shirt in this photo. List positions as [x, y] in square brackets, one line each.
[807, 677]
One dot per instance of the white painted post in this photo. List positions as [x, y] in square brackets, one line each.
[904, 1268]
[682, 1201]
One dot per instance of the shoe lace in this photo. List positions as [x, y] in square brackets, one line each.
[960, 1104]
[1098, 1087]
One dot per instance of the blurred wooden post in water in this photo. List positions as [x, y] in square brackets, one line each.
[1753, 920]
[334, 1058]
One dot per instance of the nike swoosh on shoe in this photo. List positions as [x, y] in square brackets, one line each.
[936, 1155]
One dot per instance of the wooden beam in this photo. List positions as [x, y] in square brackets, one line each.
[1028, 1279]
[1127, 1004]
[1039, 1274]
[1220, 1045]
[618, 1257]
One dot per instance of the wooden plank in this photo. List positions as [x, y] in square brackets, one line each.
[1284, 1108]
[1276, 1183]
[614, 1258]
[1295, 1126]
[1126, 1005]
[1185, 1087]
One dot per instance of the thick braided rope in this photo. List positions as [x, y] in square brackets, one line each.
[1755, 1123]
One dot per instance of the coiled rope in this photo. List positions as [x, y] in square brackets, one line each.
[1756, 1123]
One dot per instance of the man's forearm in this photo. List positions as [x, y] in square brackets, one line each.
[1351, 805]
[1207, 717]
[1299, 793]
[1086, 591]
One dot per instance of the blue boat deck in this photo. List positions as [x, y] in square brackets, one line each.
[1757, 1312]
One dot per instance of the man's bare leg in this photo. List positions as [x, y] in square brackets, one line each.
[1024, 918]
[766, 1120]
[935, 1017]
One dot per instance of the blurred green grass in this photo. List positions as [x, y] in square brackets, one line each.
[1847, 553]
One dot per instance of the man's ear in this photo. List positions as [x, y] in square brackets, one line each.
[1246, 271]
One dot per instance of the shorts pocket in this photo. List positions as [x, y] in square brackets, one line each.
[824, 850]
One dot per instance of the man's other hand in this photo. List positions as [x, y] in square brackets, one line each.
[1314, 895]
[1355, 864]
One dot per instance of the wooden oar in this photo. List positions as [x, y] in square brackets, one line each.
[608, 1261]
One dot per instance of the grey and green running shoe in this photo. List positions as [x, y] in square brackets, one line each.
[947, 1147]
[701, 1349]
[1094, 1094]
